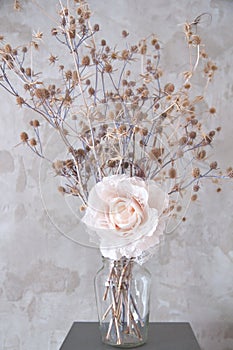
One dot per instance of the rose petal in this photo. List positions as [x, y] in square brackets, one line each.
[126, 214]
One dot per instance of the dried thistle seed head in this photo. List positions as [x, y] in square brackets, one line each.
[111, 163]
[154, 41]
[42, 94]
[20, 101]
[196, 188]
[124, 33]
[91, 91]
[187, 86]
[24, 49]
[88, 82]
[103, 42]
[194, 121]
[96, 27]
[52, 59]
[36, 123]
[72, 21]
[211, 133]
[108, 68]
[86, 14]
[201, 154]
[33, 142]
[68, 75]
[194, 197]
[24, 136]
[82, 208]
[213, 165]
[81, 21]
[79, 9]
[218, 189]
[86, 61]
[125, 54]
[69, 163]
[58, 165]
[7, 48]
[65, 11]
[114, 55]
[125, 165]
[183, 140]
[134, 48]
[17, 5]
[107, 49]
[128, 92]
[143, 49]
[122, 128]
[214, 67]
[196, 172]
[206, 140]
[196, 40]
[203, 54]
[169, 88]
[54, 31]
[35, 45]
[144, 131]
[61, 189]
[27, 87]
[156, 153]
[172, 173]
[28, 72]
[80, 153]
[212, 110]
[192, 134]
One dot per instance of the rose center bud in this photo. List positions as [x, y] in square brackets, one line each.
[125, 213]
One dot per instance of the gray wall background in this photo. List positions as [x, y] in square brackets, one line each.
[46, 280]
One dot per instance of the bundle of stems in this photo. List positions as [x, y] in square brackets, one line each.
[122, 311]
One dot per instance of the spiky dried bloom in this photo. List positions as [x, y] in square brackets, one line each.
[24, 136]
[113, 108]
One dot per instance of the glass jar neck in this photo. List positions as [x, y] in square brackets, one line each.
[120, 263]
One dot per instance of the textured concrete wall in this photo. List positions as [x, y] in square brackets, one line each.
[46, 280]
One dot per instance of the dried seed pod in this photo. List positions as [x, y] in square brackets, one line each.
[201, 154]
[36, 123]
[24, 136]
[169, 88]
[86, 61]
[196, 172]
[196, 188]
[33, 142]
[213, 165]
[172, 173]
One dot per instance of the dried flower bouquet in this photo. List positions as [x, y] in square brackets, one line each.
[135, 142]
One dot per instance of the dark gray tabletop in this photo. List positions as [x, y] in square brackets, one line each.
[162, 336]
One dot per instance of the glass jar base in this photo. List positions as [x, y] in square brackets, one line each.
[125, 337]
[126, 345]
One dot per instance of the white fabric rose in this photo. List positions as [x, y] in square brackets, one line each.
[126, 213]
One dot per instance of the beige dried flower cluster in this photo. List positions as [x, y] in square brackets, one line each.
[112, 108]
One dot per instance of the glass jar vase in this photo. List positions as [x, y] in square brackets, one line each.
[122, 289]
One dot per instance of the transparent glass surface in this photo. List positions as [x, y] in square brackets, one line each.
[122, 290]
